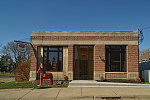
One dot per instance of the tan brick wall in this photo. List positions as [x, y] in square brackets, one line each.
[133, 75]
[70, 58]
[40, 57]
[65, 60]
[116, 75]
[33, 63]
[33, 57]
[85, 38]
[132, 58]
[84, 33]
[99, 64]
[99, 39]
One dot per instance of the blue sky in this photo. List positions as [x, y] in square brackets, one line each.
[18, 18]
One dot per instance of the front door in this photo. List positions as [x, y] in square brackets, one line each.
[83, 62]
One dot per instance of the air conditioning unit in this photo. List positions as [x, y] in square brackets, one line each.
[146, 75]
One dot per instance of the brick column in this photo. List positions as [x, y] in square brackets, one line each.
[70, 62]
[99, 64]
[132, 61]
[33, 64]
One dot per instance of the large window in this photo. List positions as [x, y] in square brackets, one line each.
[53, 58]
[115, 58]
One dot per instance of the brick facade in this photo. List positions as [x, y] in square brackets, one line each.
[99, 58]
[33, 57]
[84, 38]
[96, 38]
[132, 58]
[70, 58]
[116, 75]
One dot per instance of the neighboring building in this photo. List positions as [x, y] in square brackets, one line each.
[144, 57]
[144, 63]
[81, 55]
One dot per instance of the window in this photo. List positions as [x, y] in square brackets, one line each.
[115, 58]
[53, 58]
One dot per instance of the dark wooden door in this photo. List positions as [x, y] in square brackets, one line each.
[83, 62]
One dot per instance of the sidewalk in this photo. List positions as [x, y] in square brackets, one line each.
[6, 79]
[124, 93]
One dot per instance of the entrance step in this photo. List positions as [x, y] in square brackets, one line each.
[92, 83]
[83, 83]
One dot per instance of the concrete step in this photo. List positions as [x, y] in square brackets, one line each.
[83, 83]
[92, 83]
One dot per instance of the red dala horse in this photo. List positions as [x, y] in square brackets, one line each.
[44, 75]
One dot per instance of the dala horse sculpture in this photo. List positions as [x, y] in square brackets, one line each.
[44, 75]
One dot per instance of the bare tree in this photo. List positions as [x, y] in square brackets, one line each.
[141, 52]
[0, 48]
[11, 49]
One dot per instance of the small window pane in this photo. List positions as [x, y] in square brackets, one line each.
[45, 48]
[60, 55]
[115, 48]
[115, 66]
[53, 58]
[115, 58]
[60, 62]
[90, 52]
[53, 48]
[45, 60]
[60, 49]
[76, 56]
[83, 53]
[52, 61]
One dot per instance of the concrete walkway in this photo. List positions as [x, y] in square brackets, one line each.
[92, 83]
[93, 93]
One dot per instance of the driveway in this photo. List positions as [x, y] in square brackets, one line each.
[6, 78]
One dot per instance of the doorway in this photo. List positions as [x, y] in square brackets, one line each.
[83, 62]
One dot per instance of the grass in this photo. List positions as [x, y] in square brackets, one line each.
[60, 86]
[145, 82]
[14, 84]
[6, 74]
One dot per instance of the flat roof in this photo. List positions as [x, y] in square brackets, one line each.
[84, 33]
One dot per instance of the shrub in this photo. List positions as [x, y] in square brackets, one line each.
[22, 72]
[102, 78]
[66, 78]
[137, 79]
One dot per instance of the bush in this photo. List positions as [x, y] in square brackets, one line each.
[102, 78]
[66, 78]
[137, 79]
[22, 72]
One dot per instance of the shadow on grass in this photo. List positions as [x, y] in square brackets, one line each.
[44, 87]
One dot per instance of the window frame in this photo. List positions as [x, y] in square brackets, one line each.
[108, 61]
[47, 54]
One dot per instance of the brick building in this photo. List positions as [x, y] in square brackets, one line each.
[83, 55]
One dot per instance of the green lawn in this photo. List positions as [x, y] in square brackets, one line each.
[6, 74]
[13, 84]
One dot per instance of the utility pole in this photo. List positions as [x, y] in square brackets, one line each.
[141, 36]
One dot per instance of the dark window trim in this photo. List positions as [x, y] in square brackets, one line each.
[121, 51]
[57, 55]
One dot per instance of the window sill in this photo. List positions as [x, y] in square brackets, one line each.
[117, 72]
[54, 71]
